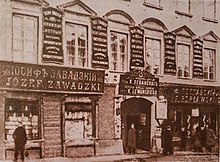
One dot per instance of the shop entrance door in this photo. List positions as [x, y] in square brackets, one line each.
[137, 111]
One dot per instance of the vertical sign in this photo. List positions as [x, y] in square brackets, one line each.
[99, 43]
[197, 58]
[137, 49]
[170, 59]
[52, 39]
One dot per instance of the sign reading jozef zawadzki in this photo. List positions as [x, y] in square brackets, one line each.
[169, 53]
[99, 43]
[138, 83]
[29, 77]
[52, 35]
[197, 58]
[137, 47]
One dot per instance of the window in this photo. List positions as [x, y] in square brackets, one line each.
[152, 55]
[209, 64]
[78, 121]
[24, 38]
[183, 6]
[76, 45]
[119, 58]
[183, 55]
[209, 9]
[28, 112]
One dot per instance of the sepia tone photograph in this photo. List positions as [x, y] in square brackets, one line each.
[109, 80]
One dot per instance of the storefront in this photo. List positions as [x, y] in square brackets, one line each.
[57, 105]
[190, 106]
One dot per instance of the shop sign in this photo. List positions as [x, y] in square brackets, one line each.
[138, 83]
[137, 49]
[99, 43]
[161, 109]
[196, 94]
[52, 35]
[18, 76]
[169, 54]
[197, 58]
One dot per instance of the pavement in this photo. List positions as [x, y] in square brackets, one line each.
[109, 158]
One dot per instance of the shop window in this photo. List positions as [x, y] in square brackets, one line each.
[78, 121]
[119, 58]
[183, 58]
[24, 38]
[76, 45]
[209, 64]
[209, 9]
[28, 112]
[152, 55]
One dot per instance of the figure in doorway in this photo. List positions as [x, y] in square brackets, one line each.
[20, 139]
[167, 141]
[132, 139]
[183, 139]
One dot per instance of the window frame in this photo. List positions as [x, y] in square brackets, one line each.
[214, 64]
[87, 57]
[207, 17]
[186, 12]
[154, 5]
[35, 38]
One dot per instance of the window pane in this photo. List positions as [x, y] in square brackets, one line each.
[183, 5]
[209, 64]
[183, 53]
[209, 8]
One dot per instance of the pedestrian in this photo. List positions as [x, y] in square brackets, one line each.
[20, 139]
[203, 137]
[167, 141]
[132, 139]
[197, 144]
[183, 139]
[210, 138]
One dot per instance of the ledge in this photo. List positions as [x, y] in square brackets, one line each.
[153, 6]
[79, 142]
[184, 14]
[209, 19]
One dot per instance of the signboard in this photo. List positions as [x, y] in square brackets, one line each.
[99, 43]
[169, 53]
[138, 83]
[197, 58]
[18, 76]
[137, 47]
[161, 109]
[184, 94]
[52, 35]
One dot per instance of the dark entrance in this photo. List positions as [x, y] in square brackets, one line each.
[137, 111]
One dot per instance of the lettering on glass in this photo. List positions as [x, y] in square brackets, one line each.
[52, 35]
[50, 78]
[137, 49]
[197, 58]
[169, 53]
[99, 43]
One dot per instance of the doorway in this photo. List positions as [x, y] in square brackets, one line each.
[138, 112]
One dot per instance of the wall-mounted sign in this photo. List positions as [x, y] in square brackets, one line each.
[138, 83]
[197, 58]
[169, 53]
[99, 43]
[18, 76]
[185, 94]
[195, 112]
[52, 35]
[161, 109]
[137, 47]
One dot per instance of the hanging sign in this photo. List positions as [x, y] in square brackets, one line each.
[161, 109]
[197, 58]
[99, 43]
[137, 47]
[52, 35]
[169, 54]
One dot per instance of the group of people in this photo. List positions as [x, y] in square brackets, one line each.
[203, 138]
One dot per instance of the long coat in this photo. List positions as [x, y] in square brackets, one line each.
[132, 138]
[20, 136]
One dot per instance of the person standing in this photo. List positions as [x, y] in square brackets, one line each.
[167, 141]
[20, 139]
[197, 144]
[210, 138]
[132, 139]
[183, 139]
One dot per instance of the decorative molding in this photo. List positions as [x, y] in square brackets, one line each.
[36, 2]
[153, 23]
[211, 36]
[184, 31]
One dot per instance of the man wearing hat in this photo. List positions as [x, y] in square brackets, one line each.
[20, 139]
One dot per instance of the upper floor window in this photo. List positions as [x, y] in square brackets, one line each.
[119, 54]
[152, 55]
[153, 3]
[183, 57]
[76, 45]
[183, 6]
[209, 9]
[24, 37]
[209, 64]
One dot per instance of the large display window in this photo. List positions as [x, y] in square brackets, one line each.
[25, 110]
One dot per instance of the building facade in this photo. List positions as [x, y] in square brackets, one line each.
[79, 73]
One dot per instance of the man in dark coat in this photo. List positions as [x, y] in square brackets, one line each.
[167, 141]
[20, 139]
[132, 139]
